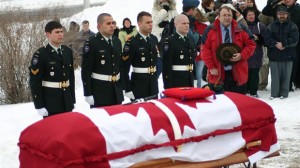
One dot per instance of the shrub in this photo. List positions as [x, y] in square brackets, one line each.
[20, 37]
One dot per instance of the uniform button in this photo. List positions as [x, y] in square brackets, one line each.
[113, 64]
[64, 89]
[151, 59]
[63, 66]
[150, 52]
[52, 68]
[64, 74]
[151, 73]
[112, 55]
[114, 73]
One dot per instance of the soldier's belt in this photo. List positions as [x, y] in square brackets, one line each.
[183, 67]
[60, 85]
[144, 70]
[109, 78]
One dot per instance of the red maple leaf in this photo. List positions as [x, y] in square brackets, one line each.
[159, 120]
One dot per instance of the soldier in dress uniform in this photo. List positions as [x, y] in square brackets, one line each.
[101, 65]
[178, 56]
[52, 74]
[141, 52]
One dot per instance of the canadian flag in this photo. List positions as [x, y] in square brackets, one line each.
[120, 136]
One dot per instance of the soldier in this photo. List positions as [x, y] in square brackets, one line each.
[101, 63]
[52, 74]
[141, 52]
[178, 56]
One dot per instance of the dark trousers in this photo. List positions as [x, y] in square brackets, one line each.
[231, 85]
[295, 76]
[253, 80]
[158, 66]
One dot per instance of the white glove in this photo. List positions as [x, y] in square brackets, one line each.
[90, 100]
[42, 111]
[75, 107]
[130, 95]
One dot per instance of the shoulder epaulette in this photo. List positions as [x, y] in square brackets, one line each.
[92, 37]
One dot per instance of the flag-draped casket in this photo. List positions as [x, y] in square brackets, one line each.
[196, 130]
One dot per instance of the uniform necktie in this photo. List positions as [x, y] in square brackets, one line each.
[148, 41]
[227, 38]
[109, 42]
[184, 38]
[59, 52]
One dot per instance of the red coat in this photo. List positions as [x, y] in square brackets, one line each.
[199, 27]
[212, 39]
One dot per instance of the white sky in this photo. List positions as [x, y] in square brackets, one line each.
[35, 4]
[15, 118]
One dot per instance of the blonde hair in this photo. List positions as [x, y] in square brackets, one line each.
[199, 16]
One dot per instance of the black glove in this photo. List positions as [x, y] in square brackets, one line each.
[166, 7]
[163, 24]
[218, 89]
[260, 39]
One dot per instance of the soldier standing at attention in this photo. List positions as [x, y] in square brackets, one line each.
[178, 56]
[52, 74]
[141, 52]
[101, 65]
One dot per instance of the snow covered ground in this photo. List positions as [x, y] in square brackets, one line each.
[15, 118]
